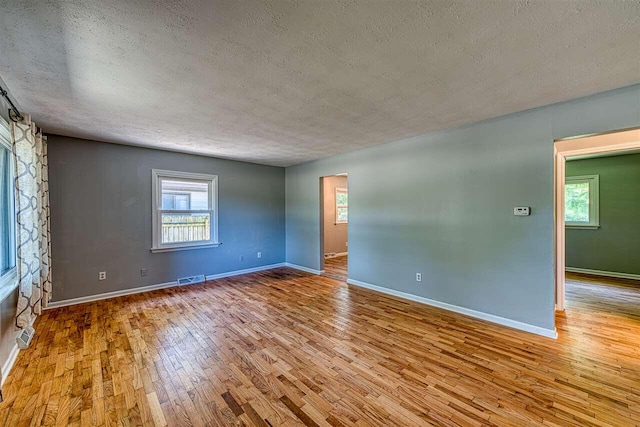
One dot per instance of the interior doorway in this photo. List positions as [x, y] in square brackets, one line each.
[582, 193]
[334, 226]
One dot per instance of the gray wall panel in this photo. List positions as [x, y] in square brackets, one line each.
[442, 204]
[101, 217]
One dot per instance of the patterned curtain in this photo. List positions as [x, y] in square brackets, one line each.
[32, 209]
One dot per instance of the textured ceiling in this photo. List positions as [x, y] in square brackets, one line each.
[284, 82]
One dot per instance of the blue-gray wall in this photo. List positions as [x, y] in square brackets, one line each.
[615, 246]
[442, 204]
[101, 217]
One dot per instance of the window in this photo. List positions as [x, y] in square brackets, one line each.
[8, 276]
[342, 206]
[185, 211]
[581, 201]
[176, 201]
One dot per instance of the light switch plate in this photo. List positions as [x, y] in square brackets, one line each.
[522, 211]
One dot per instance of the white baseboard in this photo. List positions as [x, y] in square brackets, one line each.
[337, 255]
[245, 271]
[8, 364]
[301, 268]
[603, 273]
[107, 295]
[549, 333]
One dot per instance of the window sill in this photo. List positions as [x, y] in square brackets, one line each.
[184, 248]
[583, 227]
[341, 223]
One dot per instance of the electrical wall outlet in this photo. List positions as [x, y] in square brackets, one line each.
[522, 211]
[418, 277]
[259, 254]
[143, 272]
[102, 275]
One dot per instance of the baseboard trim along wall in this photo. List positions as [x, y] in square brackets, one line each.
[8, 364]
[301, 268]
[336, 255]
[549, 333]
[245, 271]
[603, 273]
[107, 295]
[131, 291]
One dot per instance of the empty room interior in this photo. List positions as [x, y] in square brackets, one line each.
[320, 213]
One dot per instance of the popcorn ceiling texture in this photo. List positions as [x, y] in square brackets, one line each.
[285, 82]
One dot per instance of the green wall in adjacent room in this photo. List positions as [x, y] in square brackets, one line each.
[615, 246]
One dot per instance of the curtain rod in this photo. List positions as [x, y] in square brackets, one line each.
[16, 113]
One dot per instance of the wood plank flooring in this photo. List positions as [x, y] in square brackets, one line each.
[336, 267]
[284, 348]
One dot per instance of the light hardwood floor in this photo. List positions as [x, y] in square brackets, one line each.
[336, 267]
[285, 348]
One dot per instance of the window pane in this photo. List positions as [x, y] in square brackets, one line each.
[343, 214]
[576, 196]
[183, 201]
[342, 199]
[178, 228]
[185, 195]
[172, 201]
[7, 258]
[168, 201]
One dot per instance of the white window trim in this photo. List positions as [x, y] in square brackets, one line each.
[594, 201]
[341, 190]
[9, 280]
[156, 200]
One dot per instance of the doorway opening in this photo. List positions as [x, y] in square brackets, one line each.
[334, 226]
[593, 200]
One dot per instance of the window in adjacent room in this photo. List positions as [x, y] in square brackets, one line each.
[8, 276]
[342, 206]
[185, 211]
[581, 201]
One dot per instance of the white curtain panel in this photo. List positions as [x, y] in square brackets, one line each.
[33, 231]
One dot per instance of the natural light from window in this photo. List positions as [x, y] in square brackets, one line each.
[577, 202]
[185, 217]
[8, 220]
[7, 256]
[581, 201]
[180, 226]
[342, 206]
